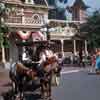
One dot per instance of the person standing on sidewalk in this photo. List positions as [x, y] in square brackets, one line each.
[93, 60]
[81, 64]
[98, 61]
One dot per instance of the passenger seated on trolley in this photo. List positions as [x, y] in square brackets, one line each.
[42, 53]
[39, 58]
[26, 57]
[33, 59]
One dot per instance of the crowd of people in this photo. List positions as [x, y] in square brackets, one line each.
[83, 60]
[96, 60]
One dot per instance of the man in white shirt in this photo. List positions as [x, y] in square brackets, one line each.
[44, 53]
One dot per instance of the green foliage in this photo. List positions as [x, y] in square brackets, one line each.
[92, 27]
[6, 42]
[3, 28]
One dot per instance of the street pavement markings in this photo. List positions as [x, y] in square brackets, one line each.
[70, 71]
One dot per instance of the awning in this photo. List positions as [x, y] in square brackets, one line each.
[39, 36]
[24, 34]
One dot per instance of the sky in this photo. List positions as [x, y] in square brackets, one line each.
[94, 4]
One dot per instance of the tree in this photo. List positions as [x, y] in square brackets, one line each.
[3, 29]
[92, 28]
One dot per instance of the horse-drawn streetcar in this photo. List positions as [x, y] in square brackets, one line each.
[37, 67]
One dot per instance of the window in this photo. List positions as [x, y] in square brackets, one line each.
[52, 14]
[51, 2]
[29, 1]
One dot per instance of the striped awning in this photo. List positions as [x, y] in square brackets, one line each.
[24, 35]
[39, 36]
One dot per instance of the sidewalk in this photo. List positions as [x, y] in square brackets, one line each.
[4, 80]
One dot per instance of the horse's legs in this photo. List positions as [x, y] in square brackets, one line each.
[49, 88]
[19, 87]
[42, 89]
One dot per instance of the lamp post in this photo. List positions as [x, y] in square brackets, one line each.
[46, 29]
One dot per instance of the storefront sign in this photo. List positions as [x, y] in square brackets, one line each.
[66, 31]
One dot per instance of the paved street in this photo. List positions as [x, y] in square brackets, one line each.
[76, 84]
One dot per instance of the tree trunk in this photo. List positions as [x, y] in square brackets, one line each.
[3, 55]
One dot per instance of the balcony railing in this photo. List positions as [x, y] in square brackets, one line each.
[14, 20]
[28, 20]
[22, 20]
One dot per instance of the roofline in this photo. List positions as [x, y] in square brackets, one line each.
[30, 5]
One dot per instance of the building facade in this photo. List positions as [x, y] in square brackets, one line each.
[25, 16]
[68, 31]
[29, 16]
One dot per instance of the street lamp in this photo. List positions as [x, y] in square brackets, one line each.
[46, 28]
